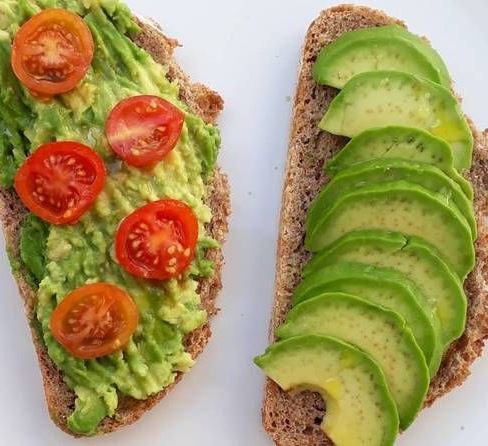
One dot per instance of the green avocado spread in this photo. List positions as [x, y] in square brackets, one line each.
[63, 258]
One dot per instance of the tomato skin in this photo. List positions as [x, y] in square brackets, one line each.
[95, 320]
[143, 130]
[52, 52]
[60, 181]
[158, 240]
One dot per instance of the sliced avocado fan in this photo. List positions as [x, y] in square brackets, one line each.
[389, 47]
[399, 207]
[391, 235]
[387, 170]
[405, 143]
[416, 260]
[380, 333]
[360, 409]
[386, 288]
[382, 98]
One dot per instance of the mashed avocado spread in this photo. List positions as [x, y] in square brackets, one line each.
[63, 258]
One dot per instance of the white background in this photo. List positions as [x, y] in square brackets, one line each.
[248, 50]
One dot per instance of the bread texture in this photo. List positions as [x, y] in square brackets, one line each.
[208, 105]
[293, 419]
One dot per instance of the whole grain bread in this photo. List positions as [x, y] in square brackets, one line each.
[293, 419]
[205, 103]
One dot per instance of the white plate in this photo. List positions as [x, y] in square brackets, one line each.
[248, 50]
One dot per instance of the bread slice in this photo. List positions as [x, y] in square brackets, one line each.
[294, 419]
[205, 103]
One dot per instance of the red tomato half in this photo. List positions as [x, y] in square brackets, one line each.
[158, 240]
[60, 181]
[95, 320]
[52, 52]
[142, 130]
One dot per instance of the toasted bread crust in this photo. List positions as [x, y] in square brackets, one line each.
[59, 397]
[294, 419]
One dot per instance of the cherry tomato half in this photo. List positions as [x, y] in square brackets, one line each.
[52, 52]
[60, 181]
[158, 240]
[95, 320]
[142, 130]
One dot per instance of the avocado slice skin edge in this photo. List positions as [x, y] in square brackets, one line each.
[373, 330]
[391, 207]
[290, 363]
[382, 98]
[441, 287]
[402, 143]
[386, 288]
[380, 39]
[387, 170]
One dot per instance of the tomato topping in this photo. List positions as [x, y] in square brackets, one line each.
[60, 181]
[52, 52]
[95, 320]
[142, 130]
[158, 240]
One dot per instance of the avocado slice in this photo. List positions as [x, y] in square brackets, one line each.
[350, 382]
[413, 257]
[380, 333]
[381, 98]
[387, 288]
[399, 206]
[406, 143]
[386, 170]
[390, 47]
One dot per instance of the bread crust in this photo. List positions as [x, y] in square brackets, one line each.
[59, 397]
[293, 419]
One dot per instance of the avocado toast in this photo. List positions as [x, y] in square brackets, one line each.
[297, 418]
[26, 235]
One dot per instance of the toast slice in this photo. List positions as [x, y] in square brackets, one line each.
[205, 103]
[294, 419]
